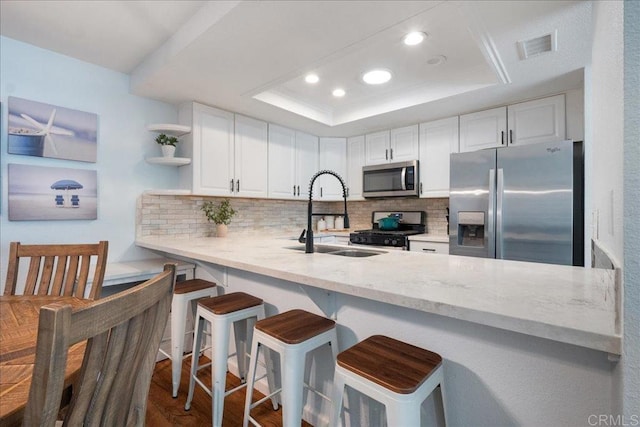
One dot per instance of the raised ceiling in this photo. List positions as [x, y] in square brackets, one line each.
[251, 56]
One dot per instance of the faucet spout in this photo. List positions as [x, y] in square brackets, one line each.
[309, 239]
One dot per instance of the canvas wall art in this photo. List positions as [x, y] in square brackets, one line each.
[46, 193]
[43, 130]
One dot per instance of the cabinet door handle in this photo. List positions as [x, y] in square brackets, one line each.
[348, 191]
[510, 136]
[294, 190]
[428, 249]
[320, 191]
[391, 153]
[298, 190]
[502, 137]
[421, 188]
[386, 154]
[231, 186]
[238, 186]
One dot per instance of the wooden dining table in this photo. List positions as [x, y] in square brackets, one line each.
[18, 334]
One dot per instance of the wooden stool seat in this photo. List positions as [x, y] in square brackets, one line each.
[393, 364]
[228, 303]
[192, 285]
[295, 326]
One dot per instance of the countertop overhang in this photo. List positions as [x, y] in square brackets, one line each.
[572, 305]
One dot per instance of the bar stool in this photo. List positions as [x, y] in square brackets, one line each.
[185, 293]
[292, 334]
[397, 374]
[237, 309]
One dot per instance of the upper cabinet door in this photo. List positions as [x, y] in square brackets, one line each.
[355, 162]
[404, 144]
[484, 129]
[540, 120]
[282, 157]
[251, 153]
[333, 156]
[212, 142]
[377, 148]
[306, 162]
[438, 140]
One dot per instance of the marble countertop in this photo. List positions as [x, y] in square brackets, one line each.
[568, 304]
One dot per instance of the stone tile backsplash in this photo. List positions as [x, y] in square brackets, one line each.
[181, 216]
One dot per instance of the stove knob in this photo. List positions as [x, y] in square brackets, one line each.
[394, 242]
[386, 241]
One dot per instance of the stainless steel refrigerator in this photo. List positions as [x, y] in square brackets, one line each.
[519, 203]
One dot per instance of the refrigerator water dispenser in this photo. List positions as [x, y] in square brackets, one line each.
[471, 229]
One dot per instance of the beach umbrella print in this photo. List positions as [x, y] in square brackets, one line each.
[66, 184]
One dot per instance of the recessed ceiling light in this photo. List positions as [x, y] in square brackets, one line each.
[338, 93]
[312, 78]
[414, 38]
[376, 77]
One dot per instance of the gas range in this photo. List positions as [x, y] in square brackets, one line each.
[411, 223]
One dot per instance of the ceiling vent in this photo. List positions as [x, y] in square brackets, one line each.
[538, 46]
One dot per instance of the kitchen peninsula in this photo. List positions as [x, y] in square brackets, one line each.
[568, 304]
[518, 338]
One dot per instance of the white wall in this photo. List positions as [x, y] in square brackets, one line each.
[40, 75]
[606, 98]
[631, 341]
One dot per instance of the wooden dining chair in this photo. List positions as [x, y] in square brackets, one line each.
[57, 269]
[123, 334]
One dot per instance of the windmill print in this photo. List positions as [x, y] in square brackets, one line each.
[43, 130]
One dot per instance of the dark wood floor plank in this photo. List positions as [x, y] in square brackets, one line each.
[164, 411]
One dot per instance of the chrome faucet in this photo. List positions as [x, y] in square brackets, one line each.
[308, 241]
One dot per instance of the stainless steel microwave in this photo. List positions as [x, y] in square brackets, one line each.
[390, 180]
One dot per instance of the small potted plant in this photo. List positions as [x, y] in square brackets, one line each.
[219, 214]
[168, 144]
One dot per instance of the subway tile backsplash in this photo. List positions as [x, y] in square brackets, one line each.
[181, 216]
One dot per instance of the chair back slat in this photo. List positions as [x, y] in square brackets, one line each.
[124, 333]
[58, 278]
[57, 269]
[72, 273]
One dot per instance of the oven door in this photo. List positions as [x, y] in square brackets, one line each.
[390, 180]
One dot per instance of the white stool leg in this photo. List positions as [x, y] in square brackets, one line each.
[240, 334]
[292, 366]
[444, 402]
[199, 326]
[255, 349]
[336, 400]
[403, 414]
[178, 322]
[220, 340]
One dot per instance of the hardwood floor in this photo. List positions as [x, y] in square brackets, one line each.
[163, 410]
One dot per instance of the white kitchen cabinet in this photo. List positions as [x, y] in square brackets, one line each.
[377, 147]
[530, 122]
[540, 120]
[404, 144]
[428, 247]
[333, 156]
[210, 145]
[251, 154]
[438, 139]
[397, 145]
[355, 162]
[282, 158]
[483, 129]
[293, 159]
[306, 162]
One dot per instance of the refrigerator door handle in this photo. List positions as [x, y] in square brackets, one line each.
[499, 206]
[491, 238]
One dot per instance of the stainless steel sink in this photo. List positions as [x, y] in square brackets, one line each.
[340, 251]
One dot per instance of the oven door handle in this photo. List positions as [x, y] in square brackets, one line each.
[403, 178]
